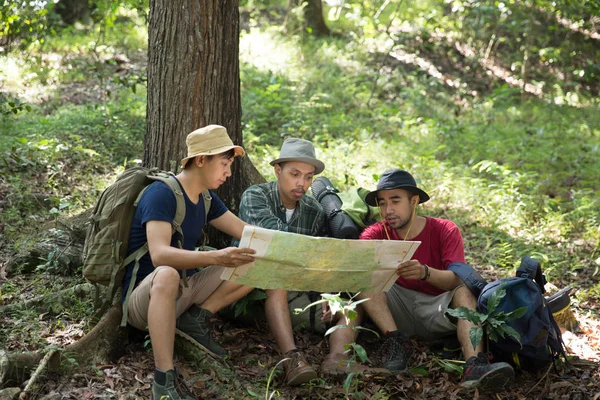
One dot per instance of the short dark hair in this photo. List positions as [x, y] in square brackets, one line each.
[229, 154]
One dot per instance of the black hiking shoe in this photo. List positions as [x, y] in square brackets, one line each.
[194, 326]
[173, 389]
[479, 373]
[396, 351]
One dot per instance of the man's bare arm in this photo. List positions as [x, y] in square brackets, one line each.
[230, 224]
[162, 253]
[413, 269]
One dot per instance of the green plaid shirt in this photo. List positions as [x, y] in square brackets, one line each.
[261, 206]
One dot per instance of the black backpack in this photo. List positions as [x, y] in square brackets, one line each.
[339, 224]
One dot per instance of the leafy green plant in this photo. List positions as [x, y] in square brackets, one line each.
[494, 324]
[347, 308]
[455, 366]
[12, 105]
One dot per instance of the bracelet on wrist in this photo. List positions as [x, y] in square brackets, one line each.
[427, 273]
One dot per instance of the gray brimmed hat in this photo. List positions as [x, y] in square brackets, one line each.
[210, 140]
[396, 179]
[294, 149]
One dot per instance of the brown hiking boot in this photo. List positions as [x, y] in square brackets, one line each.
[338, 364]
[297, 369]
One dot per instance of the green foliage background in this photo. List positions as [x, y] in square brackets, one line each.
[400, 84]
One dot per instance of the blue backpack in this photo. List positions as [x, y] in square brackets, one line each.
[541, 339]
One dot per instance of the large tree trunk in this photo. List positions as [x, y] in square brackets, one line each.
[193, 75]
[313, 14]
[194, 81]
[71, 11]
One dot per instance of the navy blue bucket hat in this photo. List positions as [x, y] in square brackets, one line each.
[396, 179]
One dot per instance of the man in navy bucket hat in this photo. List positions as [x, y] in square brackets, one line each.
[417, 303]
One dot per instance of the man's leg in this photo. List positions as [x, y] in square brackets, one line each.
[343, 336]
[337, 361]
[478, 372]
[378, 310]
[385, 310]
[206, 294]
[161, 316]
[279, 320]
[153, 303]
[226, 294]
[297, 369]
[464, 298]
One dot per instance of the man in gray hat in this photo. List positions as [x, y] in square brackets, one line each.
[283, 205]
[426, 286]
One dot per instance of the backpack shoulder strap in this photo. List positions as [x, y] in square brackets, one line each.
[171, 182]
[206, 197]
[471, 278]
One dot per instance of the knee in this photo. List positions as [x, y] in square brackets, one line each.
[464, 298]
[165, 283]
[365, 295]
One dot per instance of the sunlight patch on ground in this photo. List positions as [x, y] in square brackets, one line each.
[586, 344]
[267, 52]
[11, 73]
[16, 81]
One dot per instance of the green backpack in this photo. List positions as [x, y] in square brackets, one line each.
[107, 239]
[354, 204]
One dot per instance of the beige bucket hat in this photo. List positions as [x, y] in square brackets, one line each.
[210, 140]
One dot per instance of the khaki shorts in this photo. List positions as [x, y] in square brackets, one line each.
[200, 286]
[420, 314]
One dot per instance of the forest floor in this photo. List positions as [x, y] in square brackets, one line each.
[253, 357]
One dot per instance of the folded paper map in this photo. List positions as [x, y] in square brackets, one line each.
[298, 262]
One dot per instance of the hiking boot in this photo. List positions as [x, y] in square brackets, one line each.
[174, 389]
[479, 373]
[396, 351]
[297, 369]
[194, 326]
[338, 364]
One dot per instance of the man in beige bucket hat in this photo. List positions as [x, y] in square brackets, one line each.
[283, 205]
[159, 301]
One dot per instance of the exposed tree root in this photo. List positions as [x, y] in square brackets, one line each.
[105, 341]
[35, 377]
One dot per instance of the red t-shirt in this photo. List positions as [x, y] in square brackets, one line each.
[441, 245]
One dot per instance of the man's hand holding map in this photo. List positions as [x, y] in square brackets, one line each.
[297, 262]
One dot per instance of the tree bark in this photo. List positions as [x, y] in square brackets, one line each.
[71, 11]
[313, 14]
[193, 75]
[194, 81]
[313, 21]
